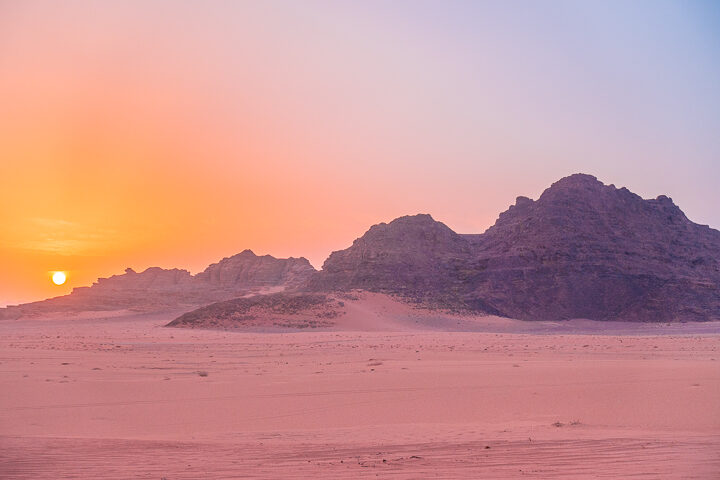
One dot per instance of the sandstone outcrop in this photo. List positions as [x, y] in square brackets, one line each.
[582, 250]
[588, 250]
[161, 289]
[249, 270]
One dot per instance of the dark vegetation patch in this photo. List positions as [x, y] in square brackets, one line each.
[284, 310]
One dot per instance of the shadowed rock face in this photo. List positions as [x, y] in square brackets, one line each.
[249, 270]
[160, 289]
[410, 255]
[582, 250]
[154, 278]
[588, 250]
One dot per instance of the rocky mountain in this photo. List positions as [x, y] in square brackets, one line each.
[588, 250]
[154, 278]
[412, 255]
[249, 270]
[162, 289]
[582, 250]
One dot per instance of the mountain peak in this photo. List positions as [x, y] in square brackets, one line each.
[410, 253]
[578, 179]
[419, 218]
[582, 250]
[578, 184]
[409, 228]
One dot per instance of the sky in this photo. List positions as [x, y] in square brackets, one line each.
[175, 133]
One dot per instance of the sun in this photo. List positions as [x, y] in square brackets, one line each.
[59, 278]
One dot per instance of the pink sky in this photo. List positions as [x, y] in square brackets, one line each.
[176, 133]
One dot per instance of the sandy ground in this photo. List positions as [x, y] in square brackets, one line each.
[122, 397]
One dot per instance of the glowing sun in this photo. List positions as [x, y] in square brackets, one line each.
[59, 278]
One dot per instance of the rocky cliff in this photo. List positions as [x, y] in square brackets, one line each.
[412, 255]
[162, 289]
[589, 250]
[249, 270]
[582, 250]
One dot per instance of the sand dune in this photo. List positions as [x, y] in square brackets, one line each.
[124, 397]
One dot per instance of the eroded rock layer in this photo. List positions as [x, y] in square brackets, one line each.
[582, 250]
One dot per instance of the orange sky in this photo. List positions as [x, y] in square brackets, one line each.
[176, 133]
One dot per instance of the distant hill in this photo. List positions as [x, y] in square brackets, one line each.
[159, 289]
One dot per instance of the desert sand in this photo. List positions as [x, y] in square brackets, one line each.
[385, 394]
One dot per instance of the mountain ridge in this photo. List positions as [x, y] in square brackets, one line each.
[583, 249]
[158, 288]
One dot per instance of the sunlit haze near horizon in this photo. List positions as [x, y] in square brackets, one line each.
[173, 134]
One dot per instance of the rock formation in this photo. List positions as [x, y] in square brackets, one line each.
[587, 250]
[582, 250]
[161, 289]
[249, 270]
[412, 255]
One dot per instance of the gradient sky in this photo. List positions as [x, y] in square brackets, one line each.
[169, 133]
